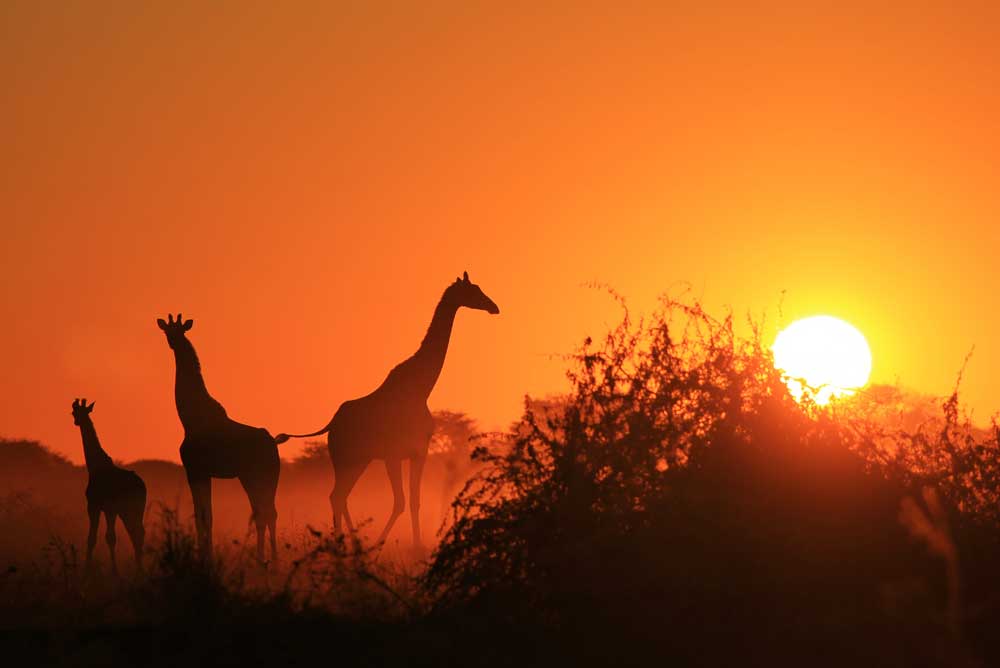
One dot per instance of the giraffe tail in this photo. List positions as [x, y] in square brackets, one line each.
[281, 438]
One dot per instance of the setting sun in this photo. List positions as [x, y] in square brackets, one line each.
[826, 354]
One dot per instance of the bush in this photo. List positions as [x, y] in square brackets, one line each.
[680, 501]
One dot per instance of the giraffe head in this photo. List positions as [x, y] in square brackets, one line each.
[174, 329]
[466, 293]
[81, 411]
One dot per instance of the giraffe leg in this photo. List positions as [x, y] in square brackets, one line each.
[133, 520]
[270, 512]
[346, 475]
[258, 520]
[137, 534]
[94, 513]
[267, 521]
[416, 472]
[447, 485]
[272, 529]
[201, 494]
[261, 510]
[111, 538]
[394, 467]
[347, 518]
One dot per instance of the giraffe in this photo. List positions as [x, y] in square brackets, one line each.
[393, 423]
[216, 446]
[111, 490]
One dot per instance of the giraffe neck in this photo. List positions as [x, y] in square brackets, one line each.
[195, 406]
[425, 365]
[93, 453]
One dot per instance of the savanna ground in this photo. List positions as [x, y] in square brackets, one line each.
[676, 506]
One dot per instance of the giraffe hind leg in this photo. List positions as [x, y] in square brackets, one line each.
[261, 531]
[264, 515]
[272, 529]
[132, 518]
[345, 477]
[267, 523]
[257, 521]
[137, 534]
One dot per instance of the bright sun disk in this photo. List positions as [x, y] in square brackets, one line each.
[827, 354]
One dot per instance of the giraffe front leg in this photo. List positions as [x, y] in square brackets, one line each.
[201, 494]
[112, 539]
[95, 520]
[416, 473]
[394, 467]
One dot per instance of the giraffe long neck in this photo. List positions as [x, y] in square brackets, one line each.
[429, 358]
[195, 406]
[93, 454]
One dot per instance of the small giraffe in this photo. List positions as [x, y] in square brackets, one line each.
[216, 446]
[393, 423]
[111, 490]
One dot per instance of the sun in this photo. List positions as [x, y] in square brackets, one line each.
[828, 355]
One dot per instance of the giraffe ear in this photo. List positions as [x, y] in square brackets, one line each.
[161, 323]
[188, 325]
[90, 408]
[465, 276]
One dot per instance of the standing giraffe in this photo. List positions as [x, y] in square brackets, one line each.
[113, 491]
[393, 423]
[215, 446]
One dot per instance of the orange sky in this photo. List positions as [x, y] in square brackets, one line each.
[305, 182]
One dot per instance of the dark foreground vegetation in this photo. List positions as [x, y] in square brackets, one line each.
[677, 507]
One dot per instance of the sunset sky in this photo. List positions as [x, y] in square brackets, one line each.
[305, 181]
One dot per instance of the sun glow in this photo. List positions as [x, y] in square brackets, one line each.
[824, 354]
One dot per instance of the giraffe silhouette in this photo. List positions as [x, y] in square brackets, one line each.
[111, 490]
[216, 446]
[393, 423]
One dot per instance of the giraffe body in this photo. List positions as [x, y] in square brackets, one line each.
[216, 446]
[379, 426]
[112, 491]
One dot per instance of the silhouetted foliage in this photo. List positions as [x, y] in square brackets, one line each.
[681, 500]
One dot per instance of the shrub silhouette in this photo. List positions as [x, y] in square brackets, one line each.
[680, 500]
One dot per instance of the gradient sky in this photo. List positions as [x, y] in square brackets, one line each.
[305, 180]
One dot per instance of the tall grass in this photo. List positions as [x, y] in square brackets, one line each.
[323, 575]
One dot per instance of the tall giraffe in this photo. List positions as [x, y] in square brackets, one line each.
[215, 446]
[111, 490]
[393, 423]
